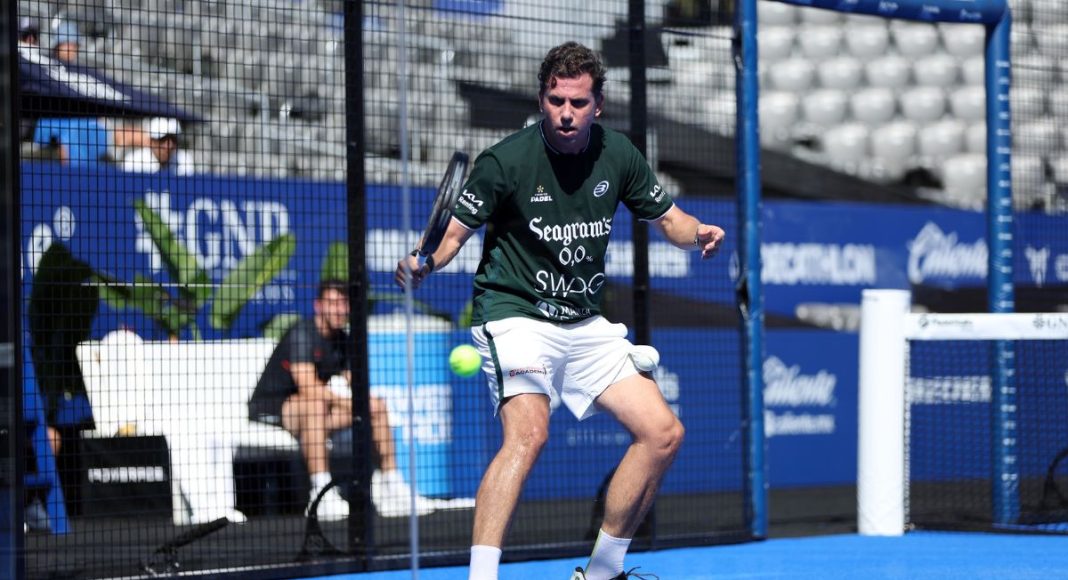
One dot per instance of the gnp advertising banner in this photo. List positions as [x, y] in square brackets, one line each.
[813, 254]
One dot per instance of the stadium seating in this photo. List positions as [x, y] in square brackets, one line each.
[776, 42]
[826, 107]
[873, 106]
[842, 73]
[240, 67]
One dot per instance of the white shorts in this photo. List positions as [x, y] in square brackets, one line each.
[574, 362]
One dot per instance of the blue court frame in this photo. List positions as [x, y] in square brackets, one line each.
[995, 16]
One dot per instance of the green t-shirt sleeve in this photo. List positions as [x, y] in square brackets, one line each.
[643, 196]
[483, 189]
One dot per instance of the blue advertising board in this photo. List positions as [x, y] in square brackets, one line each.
[813, 253]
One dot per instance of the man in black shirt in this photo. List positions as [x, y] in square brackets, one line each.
[305, 389]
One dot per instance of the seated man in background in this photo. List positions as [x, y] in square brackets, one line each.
[160, 150]
[299, 390]
[75, 141]
[66, 42]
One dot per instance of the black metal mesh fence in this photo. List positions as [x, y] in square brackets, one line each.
[186, 190]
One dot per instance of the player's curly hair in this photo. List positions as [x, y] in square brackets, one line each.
[570, 60]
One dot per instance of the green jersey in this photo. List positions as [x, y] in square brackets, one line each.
[548, 218]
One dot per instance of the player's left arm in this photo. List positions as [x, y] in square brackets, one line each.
[688, 233]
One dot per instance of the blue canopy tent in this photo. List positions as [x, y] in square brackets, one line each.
[50, 88]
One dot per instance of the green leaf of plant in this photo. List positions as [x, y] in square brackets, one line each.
[148, 297]
[193, 282]
[247, 277]
[336, 263]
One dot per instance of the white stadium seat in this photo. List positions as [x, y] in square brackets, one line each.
[1058, 103]
[842, 73]
[1033, 70]
[846, 145]
[968, 102]
[873, 106]
[825, 107]
[776, 42]
[819, 41]
[937, 70]
[793, 74]
[1029, 103]
[1052, 40]
[964, 178]
[975, 137]
[973, 70]
[1023, 40]
[1058, 167]
[1038, 135]
[1028, 179]
[890, 71]
[923, 104]
[776, 13]
[721, 107]
[867, 41]
[894, 141]
[964, 40]
[914, 39]
[778, 115]
[942, 139]
[1049, 12]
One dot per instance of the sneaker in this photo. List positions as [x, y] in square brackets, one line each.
[456, 503]
[392, 496]
[36, 517]
[579, 574]
[332, 507]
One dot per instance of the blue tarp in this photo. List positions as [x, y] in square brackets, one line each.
[49, 87]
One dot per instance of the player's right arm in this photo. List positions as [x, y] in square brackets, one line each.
[456, 235]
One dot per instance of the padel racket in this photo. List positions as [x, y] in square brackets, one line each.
[441, 212]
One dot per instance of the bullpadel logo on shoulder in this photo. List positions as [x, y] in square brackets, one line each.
[600, 189]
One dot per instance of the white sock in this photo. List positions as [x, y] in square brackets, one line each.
[606, 562]
[485, 560]
[319, 481]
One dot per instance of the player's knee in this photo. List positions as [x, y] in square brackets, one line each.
[312, 412]
[530, 439]
[668, 438]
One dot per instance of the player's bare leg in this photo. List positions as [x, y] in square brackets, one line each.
[525, 421]
[657, 434]
[311, 420]
[307, 419]
[382, 434]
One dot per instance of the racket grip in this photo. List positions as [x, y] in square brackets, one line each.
[428, 261]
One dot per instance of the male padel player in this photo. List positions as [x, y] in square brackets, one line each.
[549, 193]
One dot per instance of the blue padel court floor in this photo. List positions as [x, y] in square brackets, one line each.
[937, 555]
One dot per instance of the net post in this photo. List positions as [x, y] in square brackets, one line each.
[749, 290]
[1005, 492]
[881, 415]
